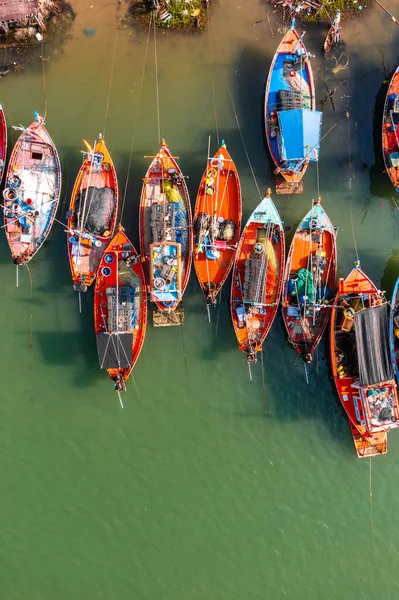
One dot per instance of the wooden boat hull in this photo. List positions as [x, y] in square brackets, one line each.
[32, 192]
[333, 36]
[290, 48]
[95, 191]
[257, 277]
[120, 333]
[218, 203]
[394, 328]
[3, 142]
[390, 131]
[164, 197]
[356, 294]
[313, 250]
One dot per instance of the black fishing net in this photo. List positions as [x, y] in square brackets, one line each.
[97, 208]
[372, 342]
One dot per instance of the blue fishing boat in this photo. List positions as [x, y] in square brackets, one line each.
[292, 124]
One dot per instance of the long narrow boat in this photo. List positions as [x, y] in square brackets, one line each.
[92, 214]
[394, 328]
[32, 191]
[165, 230]
[217, 223]
[309, 281]
[334, 34]
[3, 142]
[120, 309]
[390, 131]
[257, 277]
[292, 124]
[361, 362]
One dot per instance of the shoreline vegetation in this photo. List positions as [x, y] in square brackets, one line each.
[22, 37]
[320, 11]
[179, 15]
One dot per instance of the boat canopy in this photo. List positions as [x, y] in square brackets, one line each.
[372, 344]
[115, 350]
[300, 134]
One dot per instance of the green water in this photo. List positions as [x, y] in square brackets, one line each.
[206, 485]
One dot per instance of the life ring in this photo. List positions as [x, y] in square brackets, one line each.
[109, 259]
[258, 248]
[159, 283]
[168, 304]
[211, 173]
[210, 190]
[14, 181]
[106, 271]
[106, 166]
[349, 313]
[97, 243]
[9, 194]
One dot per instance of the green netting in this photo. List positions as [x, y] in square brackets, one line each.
[304, 283]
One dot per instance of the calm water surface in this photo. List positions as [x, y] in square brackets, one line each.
[206, 485]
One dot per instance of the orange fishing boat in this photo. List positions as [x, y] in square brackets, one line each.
[92, 214]
[257, 277]
[120, 309]
[309, 281]
[165, 230]
[361, 362]
[390, 132]
[217, 222]
[292, 123]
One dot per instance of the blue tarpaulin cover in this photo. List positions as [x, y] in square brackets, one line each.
[299, 134]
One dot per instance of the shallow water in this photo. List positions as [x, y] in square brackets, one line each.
[206, 485]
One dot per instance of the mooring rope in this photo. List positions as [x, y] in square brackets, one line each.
[213, 78]
[111, 78]
[348, 114]
[44, 79]
[137, 119]
[156, 81]
[234, 110]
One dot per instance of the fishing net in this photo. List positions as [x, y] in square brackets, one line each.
[299, 84]
[302, 285]
[226, 230]
[100, 205]
[260, 275]
[202, 223]
[170, 192]
[181, 225]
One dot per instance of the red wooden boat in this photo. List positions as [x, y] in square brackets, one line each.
[361, 362]
[120, 309]
[165, 231]
[32, 191]
[390, 131]
[309, 281]
[217, 223]
[334, 34]
[292, 124]
[3, 142]
[257, 277]
[92, 214]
